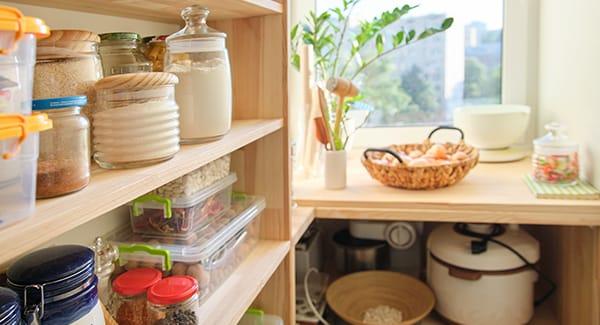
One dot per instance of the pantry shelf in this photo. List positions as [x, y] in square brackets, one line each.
[302, 217]
[491, 193]
[164, 10]
[110, 189]
[228, 304]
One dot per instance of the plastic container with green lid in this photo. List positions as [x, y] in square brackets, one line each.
[555, 157]
[120, 53]
[254, 316]
[210, 255]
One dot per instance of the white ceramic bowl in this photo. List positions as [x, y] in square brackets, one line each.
[492, 126]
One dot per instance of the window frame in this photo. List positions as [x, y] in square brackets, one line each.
[519, 77]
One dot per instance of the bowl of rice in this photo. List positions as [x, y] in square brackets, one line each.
[380, 298]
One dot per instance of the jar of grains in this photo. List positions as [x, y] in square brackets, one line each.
[120, 53]
[129, 305]
[174, 300]
[136, 120]
[67, 65]
[198, 56]
[64, 162]
[155, 52]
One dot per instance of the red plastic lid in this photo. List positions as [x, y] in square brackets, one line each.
[173, 290]
[136, 281]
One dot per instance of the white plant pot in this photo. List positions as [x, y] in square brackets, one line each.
[335, 170]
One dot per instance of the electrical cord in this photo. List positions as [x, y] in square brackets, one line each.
[476, 248]
[309, 300]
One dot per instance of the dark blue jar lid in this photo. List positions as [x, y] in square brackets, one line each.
[10, 308]
[56, 103]
[50, 265]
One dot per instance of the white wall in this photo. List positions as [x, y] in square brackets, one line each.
[569, 74]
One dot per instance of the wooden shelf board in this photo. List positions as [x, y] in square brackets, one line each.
[228, 304]
[164, 10]
[302, 217]
[110, 189]
[490, 193]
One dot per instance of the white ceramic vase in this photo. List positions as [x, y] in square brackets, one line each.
[335, 170]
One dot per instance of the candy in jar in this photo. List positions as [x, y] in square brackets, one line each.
[555, 158]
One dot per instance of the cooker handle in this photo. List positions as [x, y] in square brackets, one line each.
[464, 274]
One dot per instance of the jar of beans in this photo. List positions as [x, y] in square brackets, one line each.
[174, 300]
[129, 303]
[555, 158]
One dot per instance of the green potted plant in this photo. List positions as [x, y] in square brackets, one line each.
[341, 55]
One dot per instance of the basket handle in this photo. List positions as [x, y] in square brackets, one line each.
[383, 150]
[447, 127]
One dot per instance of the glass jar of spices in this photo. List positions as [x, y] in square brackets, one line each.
[174, 300]
[120, 53]
[129, 305]
[64, 160]
[555, 158]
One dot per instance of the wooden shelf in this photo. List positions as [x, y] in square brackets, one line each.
[302, 217]
[492, 193]
[228, 304]
[110, 189]
[167, 11]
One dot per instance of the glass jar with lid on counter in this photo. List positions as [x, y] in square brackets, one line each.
[555, 159]
[121, 53]
[198, 56]
[64, 161]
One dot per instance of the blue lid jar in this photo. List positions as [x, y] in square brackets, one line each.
[57, 284]
[10, 307]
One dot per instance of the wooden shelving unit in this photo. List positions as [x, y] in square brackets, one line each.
[302, 217]
[165, 10]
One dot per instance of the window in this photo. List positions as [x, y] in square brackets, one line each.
[422, 83]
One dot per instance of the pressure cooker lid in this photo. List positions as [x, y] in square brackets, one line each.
[448, 244]
[10, 308]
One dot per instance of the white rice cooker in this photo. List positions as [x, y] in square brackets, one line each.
[478, 281]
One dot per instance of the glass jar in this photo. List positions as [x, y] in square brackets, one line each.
[105, 255]
[129, 305]
[197, 55]
[174, 300]
[555, 158]
[155, 52]
[136, 122]
[64, 163]
[120, 53]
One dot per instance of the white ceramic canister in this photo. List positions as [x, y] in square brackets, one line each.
[492, 287]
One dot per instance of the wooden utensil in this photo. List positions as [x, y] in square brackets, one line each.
[325, 116]
[321, 130]
[342, 88]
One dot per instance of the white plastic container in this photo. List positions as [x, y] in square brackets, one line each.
[181, 216]
[210, 255]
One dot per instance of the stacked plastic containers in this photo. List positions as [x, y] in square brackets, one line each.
[18, 128]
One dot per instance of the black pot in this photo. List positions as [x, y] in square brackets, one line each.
[355, 254]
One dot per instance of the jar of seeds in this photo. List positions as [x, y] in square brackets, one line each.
[174, 300]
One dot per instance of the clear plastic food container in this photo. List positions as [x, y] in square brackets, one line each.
[210, 258]
[180, 216]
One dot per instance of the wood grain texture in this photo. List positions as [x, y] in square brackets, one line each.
[164, 10]
[302, 217]
[228, 304]
[277, 297]
[110, 189]
[490, 193]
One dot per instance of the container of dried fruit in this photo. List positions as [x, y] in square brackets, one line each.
[129, 303]
[174, 300]
[421, 166]
[121, 53]
[555, 157]
[174, 215]
[64, 161]
[136, 120]
[210, 255]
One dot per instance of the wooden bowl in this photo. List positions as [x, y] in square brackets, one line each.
[351, 296]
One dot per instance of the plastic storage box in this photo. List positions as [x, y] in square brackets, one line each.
[210, 255]
[255, 316]
[180, 216]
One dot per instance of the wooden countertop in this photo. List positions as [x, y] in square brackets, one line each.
[489, 193]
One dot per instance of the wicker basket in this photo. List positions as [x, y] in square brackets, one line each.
[420, 177]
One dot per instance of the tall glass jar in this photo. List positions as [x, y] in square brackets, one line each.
[64, 163]
[174, 300]
[129, 305]
[121, 53]
[198, 56]
[555, 158]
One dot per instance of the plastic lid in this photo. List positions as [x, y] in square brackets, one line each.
[125, 36]
[555, 141]
[36, 27]
[136, 281]
[173, 290]
[9, 305]
[10, 19]
[454, 248]
[56, 103]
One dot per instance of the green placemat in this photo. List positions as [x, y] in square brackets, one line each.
[580, 191]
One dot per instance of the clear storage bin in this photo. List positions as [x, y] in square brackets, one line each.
[179, 216]
[210, 257]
